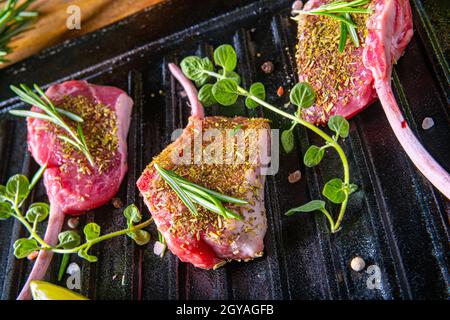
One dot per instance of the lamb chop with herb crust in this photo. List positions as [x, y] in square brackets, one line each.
[208, 240]
[74, 185]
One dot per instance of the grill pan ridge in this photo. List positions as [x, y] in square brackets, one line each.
[396, 220]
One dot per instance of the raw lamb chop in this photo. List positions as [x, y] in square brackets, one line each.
[73, 185]
[208, 241]
[347, 82]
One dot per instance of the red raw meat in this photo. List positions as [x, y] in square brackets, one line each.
[348, 82]
[211, 244]
[72, 190]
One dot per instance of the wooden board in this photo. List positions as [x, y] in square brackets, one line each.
[51, 28]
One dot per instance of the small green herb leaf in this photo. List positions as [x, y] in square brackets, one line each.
[258, 90]
[225, 92]
[231, 75]
[287, 140]
[85, 255]
[69, 239]
[313, 156]
[334, 190]
[236, 129]
[314, 205]
[17, 187]
[38, 212]
[339, 125]
[23, 247]
[205, 95]
[5, 210]
[194, 68]
[91, 231]
[343, 38]
[303, 95]
[225, 56]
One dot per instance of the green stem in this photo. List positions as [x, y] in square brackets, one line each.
[105, 237]
[313, 128]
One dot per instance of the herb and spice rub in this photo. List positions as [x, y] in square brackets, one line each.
[342, 83]
[208, 240]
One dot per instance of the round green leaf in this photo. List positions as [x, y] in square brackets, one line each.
[205, 95]
[258, 90]
[91, 231]
[287, 140]
[225, 92]
[38, 211]
[303, 95]
[23, 247]
[334, 190]
[339, 125]
[225, 56]
[69, 239]
[17, 186]
[313, 156]
[194, 68]
[5, 210]
[314, 205]
[231, 75]
[85, 255]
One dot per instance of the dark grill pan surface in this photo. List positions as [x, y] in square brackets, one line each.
[396, 220]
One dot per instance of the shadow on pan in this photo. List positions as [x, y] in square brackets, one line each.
[396, 221]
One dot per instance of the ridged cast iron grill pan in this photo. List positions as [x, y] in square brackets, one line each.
[396, 220]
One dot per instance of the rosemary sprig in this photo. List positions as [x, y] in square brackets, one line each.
[54, 115]
[14, 19]
[190, 193]
[341, 11]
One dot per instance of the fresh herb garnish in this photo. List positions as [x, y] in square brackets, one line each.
[14, 19]
[191, 194]
[54, 115]
[17, 190]
[341, 11]
[226, 92]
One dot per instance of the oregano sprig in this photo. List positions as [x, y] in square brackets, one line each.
[226, 91]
